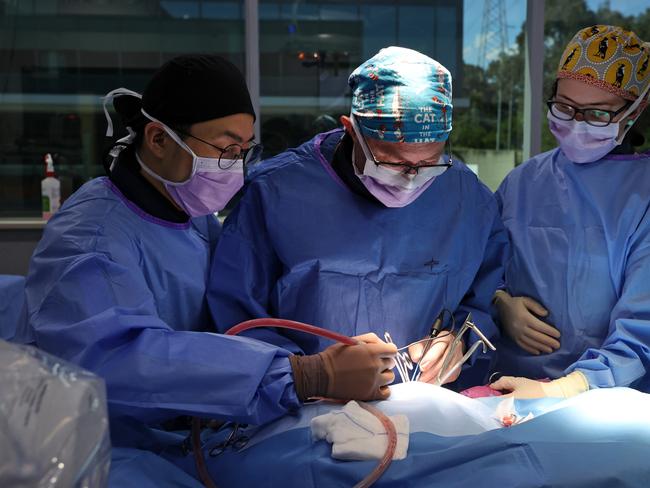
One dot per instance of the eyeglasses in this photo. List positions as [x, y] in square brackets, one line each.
[592, 116]
[232, 153]
[405, 168]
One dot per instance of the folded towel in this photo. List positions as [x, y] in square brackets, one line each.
[356, 434]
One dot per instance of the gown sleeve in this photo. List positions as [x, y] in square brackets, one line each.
[624, 357]
[97, 311]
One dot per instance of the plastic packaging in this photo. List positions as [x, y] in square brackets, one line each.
[53, 422]
[50, 189]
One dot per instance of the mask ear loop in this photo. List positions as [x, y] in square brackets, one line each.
[362, 142]
[631, 109]
[178, 141]
[170, 133]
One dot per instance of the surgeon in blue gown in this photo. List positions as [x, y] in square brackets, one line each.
[369, 228]
[117, 284]
[576, 306]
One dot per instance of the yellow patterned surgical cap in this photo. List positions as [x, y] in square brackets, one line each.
[609, 57]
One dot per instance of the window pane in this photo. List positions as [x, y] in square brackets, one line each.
[488, 88]
[57, 58]
[309, 48]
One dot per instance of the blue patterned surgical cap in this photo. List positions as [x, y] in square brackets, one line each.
[401, 95]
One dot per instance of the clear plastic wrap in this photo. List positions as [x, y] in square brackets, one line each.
[53, 422]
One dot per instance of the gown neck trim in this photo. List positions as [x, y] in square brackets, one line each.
[141, 213]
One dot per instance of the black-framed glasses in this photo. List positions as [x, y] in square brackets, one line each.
[592, 116]
[232, 153]
[406, 168]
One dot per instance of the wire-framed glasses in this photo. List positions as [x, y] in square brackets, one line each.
[233, 153]
[403, 166]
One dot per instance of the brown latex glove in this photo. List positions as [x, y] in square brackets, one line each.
[359, 372]
[431, 363]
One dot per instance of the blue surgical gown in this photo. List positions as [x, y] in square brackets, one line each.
[12, 305]
[302, 246]
[122, 294]
[580, 237]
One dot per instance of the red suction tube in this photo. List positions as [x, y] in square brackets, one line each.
[311, 329]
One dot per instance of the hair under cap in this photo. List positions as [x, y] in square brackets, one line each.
[401, 95]
[189, 89]
[608, 57]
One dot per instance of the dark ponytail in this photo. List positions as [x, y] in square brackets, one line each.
[129, 109]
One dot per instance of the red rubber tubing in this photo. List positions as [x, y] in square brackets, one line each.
[291, 324]
[388, 425]
[385, 461]
[199, 460]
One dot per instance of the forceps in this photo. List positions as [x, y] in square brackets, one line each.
[235, 440]
[446, 371]
[404, 364]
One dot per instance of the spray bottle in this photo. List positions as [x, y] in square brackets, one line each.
[50, 189]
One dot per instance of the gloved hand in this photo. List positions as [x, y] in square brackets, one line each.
[565, 387]
[359, 372]
[431, 363]
[519, 321]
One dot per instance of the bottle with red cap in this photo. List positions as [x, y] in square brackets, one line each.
[50, 189]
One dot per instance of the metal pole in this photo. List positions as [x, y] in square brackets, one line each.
[509, 136]
[498, 141]
[252, 56]
[534, 83]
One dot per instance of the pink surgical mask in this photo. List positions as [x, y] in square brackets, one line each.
[391, 195]
[392, 188]
[581, 142]
[208, 189]
[584, 143]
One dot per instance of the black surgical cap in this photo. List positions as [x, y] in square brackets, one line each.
[189, 89]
